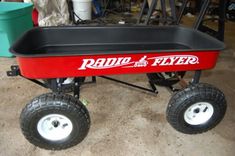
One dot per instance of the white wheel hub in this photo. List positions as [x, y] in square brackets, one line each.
[199, 113]
[54, 127]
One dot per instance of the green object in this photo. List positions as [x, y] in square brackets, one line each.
[15, 19]
[84, 102]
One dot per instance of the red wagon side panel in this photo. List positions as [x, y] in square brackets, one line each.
[94, 65]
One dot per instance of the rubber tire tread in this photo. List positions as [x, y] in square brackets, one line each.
[183, 99]
[54, 103]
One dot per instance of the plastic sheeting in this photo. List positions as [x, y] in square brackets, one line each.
[52, 12]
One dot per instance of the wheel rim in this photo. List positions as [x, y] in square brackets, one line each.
[54, 127]
[198, 113]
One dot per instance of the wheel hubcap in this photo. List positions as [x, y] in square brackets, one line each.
[198, 113]
[54, 127]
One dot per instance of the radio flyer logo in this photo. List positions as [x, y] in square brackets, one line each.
[127, 62]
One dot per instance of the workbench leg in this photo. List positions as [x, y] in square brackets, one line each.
[142, 11]
[222, 12]
[150, 12]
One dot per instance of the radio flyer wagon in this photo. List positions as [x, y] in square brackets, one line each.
[60, 58]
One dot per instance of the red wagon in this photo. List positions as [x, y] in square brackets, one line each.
[61, 57]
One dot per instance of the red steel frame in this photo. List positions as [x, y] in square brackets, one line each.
[110, 64]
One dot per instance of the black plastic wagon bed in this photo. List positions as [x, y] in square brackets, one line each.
[60, 41]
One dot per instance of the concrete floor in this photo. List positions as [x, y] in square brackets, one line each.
[124, 121]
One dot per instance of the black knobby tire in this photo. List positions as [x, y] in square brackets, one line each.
[51, 103]
[182, 102]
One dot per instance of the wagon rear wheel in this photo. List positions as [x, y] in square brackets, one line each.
[196, 109]
[55, 121]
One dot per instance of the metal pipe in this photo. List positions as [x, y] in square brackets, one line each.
[163, 7]
[182, 11]
[173, 10]
[128, 84]
[222, 12]
[142, 11]
[201, 14]
[150, 12]
[197, 77]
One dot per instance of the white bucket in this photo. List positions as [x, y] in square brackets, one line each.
[82, 9]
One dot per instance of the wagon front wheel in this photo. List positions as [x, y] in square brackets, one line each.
[196, 109]
[55, 121]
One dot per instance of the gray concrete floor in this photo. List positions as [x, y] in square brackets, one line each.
[124, 121]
